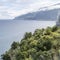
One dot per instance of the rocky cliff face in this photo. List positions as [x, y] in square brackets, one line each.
[58, 21]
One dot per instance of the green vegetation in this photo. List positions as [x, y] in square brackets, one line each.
[43, 44]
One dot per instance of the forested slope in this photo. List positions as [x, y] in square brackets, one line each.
[43, 44]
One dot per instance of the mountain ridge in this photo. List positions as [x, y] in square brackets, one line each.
[43, 13]
[40, 15]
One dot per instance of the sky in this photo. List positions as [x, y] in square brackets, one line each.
[12, 8]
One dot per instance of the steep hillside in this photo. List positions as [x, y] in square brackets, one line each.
[43, 44]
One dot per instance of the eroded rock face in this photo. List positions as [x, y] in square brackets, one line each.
[58, 21]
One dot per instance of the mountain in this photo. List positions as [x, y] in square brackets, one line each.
[42, 14]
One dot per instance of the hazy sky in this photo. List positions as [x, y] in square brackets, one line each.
[12, 8]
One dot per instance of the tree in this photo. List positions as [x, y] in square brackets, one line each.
[27, 35]
[47, 45]
[55, 28]
[6, 57]
[14, 45]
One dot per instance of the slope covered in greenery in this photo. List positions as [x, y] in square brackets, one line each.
[43, 44]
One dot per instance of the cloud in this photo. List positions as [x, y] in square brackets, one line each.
[13, 8]
[3, 12]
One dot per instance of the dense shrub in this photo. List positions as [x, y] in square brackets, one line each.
[43, 44]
